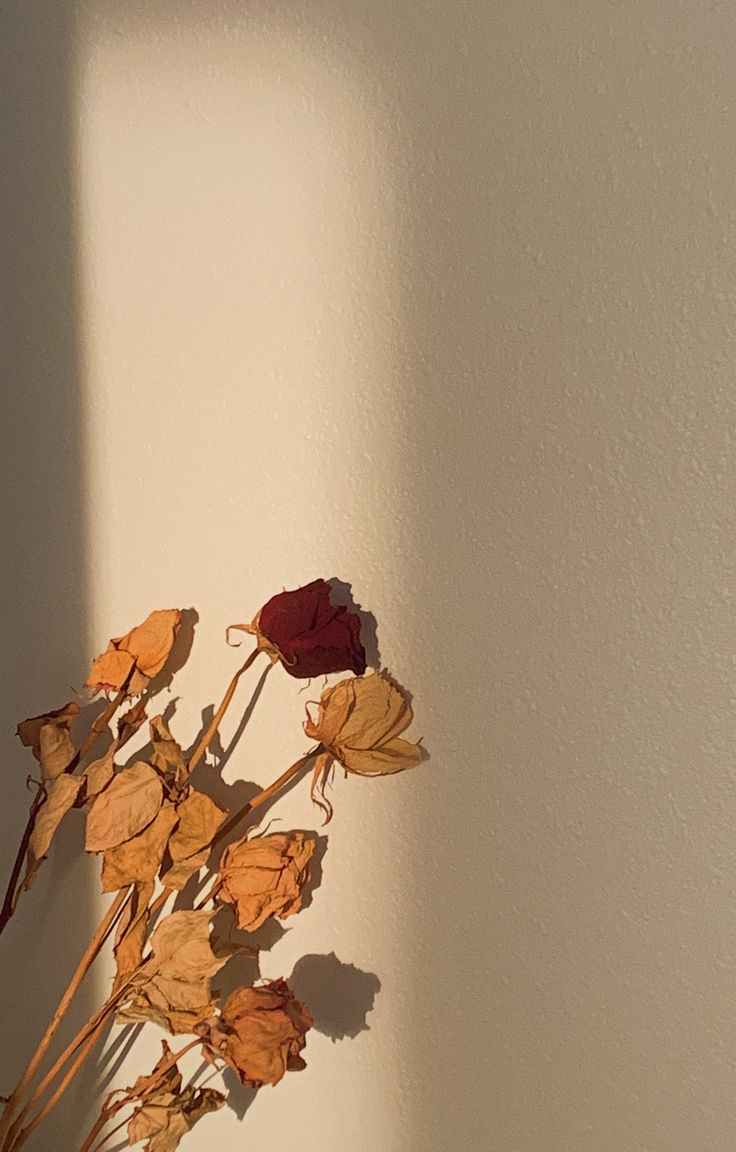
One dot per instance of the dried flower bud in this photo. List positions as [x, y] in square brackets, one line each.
[359, 722]
[261, 1032]
[138, 656]
[265, 876]
[308, 634]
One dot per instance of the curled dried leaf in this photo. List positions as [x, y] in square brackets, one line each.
[135, 658]
[127, 806]
[189, 847]
[60, 796]
[167, 1113]
[167, 757]
[98, 774]
[265, 876]
[50, 740]
[360, 722]
[131, 933]
[261, 1032]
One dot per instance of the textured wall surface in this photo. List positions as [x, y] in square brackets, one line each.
[440, 299]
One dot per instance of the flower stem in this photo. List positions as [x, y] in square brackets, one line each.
[214, 724]
[93, 948]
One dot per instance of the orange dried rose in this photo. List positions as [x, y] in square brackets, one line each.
[265, 876]
[138, 656]
[359, 723]
[261, 1033]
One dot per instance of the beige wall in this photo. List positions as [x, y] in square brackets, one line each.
[439, 298]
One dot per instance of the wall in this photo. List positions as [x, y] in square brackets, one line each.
[439, 299]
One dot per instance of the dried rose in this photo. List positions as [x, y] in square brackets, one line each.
[308, 634]
[359, 723]
[261, 1032]
[265, 876]
[137, 657]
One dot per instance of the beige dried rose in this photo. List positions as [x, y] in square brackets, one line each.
[138, 656]
[265, 876]
[359, 723]
[261, 1032]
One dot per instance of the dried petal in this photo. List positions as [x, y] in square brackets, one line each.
[359, 722]
[60, 796]
[261, 1032]
[265, 876]
[308, 634]
[189, 847]
[138, 656]
[126, 807]
[138, 860]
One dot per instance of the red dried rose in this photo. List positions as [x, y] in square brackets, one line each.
[308, 634]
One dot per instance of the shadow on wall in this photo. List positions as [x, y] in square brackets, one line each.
[43, 602]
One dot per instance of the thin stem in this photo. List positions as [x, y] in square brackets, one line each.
[59, 1091]
[12, 892]
[91, 1029]
[106, 925]
[214, 724]
[107, 1136]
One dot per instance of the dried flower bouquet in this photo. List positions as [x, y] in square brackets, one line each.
[155, 832]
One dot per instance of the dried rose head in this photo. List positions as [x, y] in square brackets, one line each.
[137, 657]
[261, 1032]
[309, 635]
[359, 723]
[265, 876]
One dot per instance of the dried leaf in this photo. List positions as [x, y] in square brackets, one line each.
[261, 1032]
[60, 796]
[359, 723]
[163, 1125]
[131, 721]
[131, 935]
[167, 756]
[189, 847]
[265, 876]
[99, 773]
[126, 807]
[49, 738]
[174, 988]
[166, 1113]
[140, 655]
[138, 860]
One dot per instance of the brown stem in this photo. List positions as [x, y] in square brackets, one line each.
[92, 1028]
[59, 1091]
[106, 925]
[12, 892]
[214, 724]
